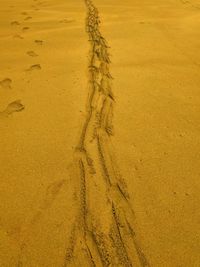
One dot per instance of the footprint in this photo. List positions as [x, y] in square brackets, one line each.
[6, 83]
[25, 28]
[35, 67]
[24, 13]
[18, 36]
[32, 54]
[15, 23]
[27, 18]
[15, 106]
[39, 42]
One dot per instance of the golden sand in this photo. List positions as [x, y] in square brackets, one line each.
[99, 133]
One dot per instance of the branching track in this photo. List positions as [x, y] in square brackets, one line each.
[104, 233]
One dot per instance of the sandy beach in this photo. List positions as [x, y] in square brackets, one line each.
[99, 133]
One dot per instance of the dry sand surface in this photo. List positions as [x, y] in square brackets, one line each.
[99, 133]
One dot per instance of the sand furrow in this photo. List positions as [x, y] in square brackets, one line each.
[104, 229]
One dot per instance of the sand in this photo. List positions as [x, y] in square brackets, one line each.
[103, 179]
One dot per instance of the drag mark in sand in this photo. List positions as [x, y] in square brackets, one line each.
[104, 233]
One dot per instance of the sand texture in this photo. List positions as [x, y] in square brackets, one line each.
[99, 133]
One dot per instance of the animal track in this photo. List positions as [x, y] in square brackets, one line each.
[18, 36]
[15, 23]
[34, 67]
[15, 106]
[24, 13]
[39, 42]
[32, 54]
[28, 18]
[6, 83]
[25, 28]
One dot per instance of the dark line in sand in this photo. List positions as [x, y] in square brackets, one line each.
[95, 247]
